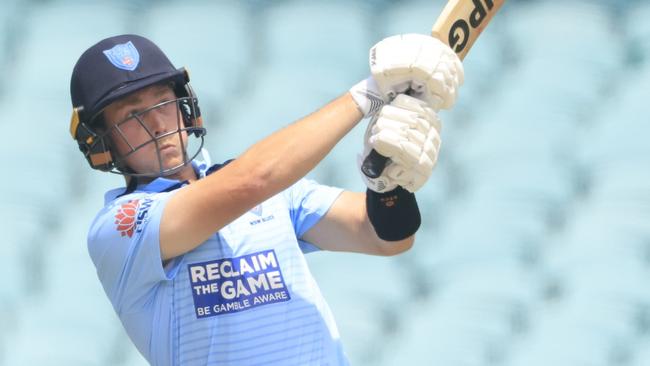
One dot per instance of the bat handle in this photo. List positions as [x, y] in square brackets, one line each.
[373, 165]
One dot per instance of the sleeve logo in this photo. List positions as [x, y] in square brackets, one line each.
[231, 285]
[131, 215]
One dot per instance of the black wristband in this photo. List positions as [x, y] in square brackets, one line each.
[394, 215]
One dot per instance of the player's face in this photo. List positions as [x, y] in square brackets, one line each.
[132, 126]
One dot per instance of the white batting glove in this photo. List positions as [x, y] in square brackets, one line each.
[408, 132]
[418, 64]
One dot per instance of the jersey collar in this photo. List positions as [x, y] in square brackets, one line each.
[202, 166]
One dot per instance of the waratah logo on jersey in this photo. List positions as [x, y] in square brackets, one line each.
[124, 56]
[257, 210]
[131, 215]
[231, 285]
[125, 217]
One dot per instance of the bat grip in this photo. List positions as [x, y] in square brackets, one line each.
[373, 165]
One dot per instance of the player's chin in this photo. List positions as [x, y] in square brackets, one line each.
[171, 154]
[172, 162]
[154, 164]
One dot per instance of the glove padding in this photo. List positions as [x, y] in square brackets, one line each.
[408, 132]
[418, 64]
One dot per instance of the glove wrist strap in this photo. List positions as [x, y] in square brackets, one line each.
[367, 96]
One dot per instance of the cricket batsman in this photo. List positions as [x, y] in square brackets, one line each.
[205, 264]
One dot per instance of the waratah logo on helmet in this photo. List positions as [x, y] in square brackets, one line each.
[123, 56]
[131, 215]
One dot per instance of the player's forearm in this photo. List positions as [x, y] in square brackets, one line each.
[289, 154]
[347, 228]
[384, 247]
[366, 236]
[265, 169]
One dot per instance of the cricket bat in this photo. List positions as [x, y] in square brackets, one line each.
[459, 25]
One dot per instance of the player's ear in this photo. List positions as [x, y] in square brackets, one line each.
[100, 123]
[101, 127]
[91, 143]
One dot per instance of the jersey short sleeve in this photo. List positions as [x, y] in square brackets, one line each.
[124, 244]
[308, 203]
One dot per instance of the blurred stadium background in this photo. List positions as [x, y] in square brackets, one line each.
[535, 245]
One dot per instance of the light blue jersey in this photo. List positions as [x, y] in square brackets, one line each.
[244, 297]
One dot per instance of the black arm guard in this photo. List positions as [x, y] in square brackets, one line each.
[394, 215]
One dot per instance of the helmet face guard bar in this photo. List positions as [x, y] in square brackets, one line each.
[184, 109]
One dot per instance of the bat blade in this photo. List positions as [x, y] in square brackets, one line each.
[462, 22]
